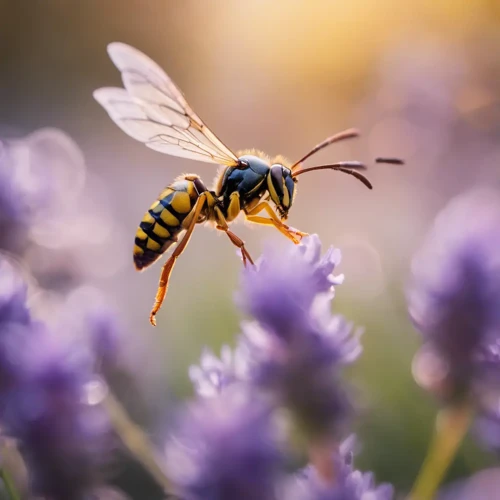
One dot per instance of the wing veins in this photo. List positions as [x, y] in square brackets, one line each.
[151, 97]
[145, 79]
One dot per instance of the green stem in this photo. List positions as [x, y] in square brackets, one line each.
[451, 426]
[136, 441]
[8, 483]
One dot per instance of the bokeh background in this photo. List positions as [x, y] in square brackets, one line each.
[420, 79]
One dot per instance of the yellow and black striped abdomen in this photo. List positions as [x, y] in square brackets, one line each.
[162, 223]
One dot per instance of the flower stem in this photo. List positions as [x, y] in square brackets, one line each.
[9, 486]
[136, 441]
[452, 424]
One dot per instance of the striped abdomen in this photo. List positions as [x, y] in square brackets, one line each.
[162, 223]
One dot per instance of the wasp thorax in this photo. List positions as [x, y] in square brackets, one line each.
[281, 186]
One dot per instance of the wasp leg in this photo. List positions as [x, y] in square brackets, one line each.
[270, 222]
[273, 220]
[169, 265]
[235, 240]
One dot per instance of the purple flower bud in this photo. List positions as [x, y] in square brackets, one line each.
[225, 448]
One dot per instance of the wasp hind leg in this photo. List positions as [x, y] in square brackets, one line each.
[273, 220]
[169, 265]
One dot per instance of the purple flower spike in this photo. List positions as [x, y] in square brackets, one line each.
[224, 449]
[105, 338]
[12, 295]
[15, 324]
[281, 290]
[455, 295]
[348, 484]
[54, 415]
[49, 400]
[454, 301]
[297, 347]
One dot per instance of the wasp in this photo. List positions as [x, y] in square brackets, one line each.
[151, 109]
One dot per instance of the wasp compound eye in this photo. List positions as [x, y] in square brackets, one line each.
[276, 175]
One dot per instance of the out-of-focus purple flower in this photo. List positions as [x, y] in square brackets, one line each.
[87, 317]
[62, 432]
[37, 173]
[42, 177]
[15, 324]
[14, 219]
[214, 374]
[348, 484]
[49, 400]
[225, 448]
[12, 295]
[296, 347]
[105, 338]
[454, 299]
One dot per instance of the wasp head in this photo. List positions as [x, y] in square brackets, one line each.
[281, 186]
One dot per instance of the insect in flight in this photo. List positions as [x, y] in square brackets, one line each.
[152, 110]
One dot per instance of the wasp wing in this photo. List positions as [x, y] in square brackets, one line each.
[151, 109]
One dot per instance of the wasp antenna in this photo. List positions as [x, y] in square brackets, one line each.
[391, 161]
[347, 167]
[358, 176]
[354, 165]
[346, 134]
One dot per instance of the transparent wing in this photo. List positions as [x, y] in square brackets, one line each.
[151, 109]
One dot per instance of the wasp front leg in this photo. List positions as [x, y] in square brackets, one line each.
[273, 220]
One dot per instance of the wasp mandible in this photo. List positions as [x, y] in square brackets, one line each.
[152, 110]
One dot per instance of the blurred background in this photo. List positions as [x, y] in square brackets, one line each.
[420, 79]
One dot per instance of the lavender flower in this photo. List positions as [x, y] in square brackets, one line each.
[454, 299]
[297, 347]
[15, 323]
[214, 374]
[32, 172]
[225, 448]
[348, 484]
[12, 295]
[280, 292]
[14, 220]
[48, 400]
[105, 338]
[62, 434]
[42, 177]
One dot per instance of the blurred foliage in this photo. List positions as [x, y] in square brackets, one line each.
[419, 78]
